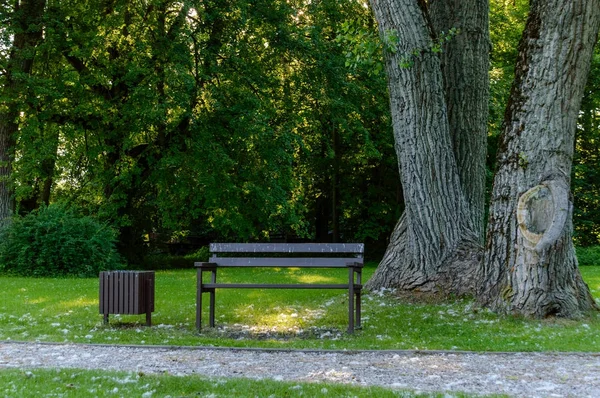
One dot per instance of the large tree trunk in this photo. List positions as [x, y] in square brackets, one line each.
[431, 247]
[28, 33]
[465, 68]
[530, 266]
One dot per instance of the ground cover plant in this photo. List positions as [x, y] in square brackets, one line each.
[66, 310]
[78, 383]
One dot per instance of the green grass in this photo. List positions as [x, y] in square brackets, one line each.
[66, 310]
[89, 383]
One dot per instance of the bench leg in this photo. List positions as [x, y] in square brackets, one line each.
[351, 299]
[212, 309]
[358, 294]
[199, 291]
[199, 301]
[358, 297]
[149, 288]
[213, 278]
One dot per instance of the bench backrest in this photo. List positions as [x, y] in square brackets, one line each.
[303, 255]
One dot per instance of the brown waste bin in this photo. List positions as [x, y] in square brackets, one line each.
[127, 292]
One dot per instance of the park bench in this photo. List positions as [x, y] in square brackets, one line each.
[276, 255]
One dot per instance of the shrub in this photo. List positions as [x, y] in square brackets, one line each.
[588, 255]
[55, 241]
[199, 255]
[165, 261]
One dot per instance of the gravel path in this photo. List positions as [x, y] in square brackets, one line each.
[515, 374]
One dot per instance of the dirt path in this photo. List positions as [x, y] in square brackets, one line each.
[515, 374]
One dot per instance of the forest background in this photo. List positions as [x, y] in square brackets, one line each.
[178, 123]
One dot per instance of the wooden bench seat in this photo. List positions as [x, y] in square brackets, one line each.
[285, 255]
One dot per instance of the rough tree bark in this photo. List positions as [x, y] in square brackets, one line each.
[530, 266]
[433, 246]
[28, 33]
[465, 68]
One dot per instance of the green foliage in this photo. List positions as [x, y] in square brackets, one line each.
[407, 60]
[588, 255]
[199, 255]
[236, 120]
[345, 161]
[365, 48]
[55, 241]
[362, 45]
[586, 170]
[166, 262]
[170, 103]
[437, 45]
[507, 21]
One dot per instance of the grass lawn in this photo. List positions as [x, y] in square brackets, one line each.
[89, 383]
[66, 310]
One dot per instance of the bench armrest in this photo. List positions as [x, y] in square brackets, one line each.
[205, 265]
[355, 265]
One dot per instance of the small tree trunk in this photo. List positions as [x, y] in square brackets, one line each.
[530, 266]
[430, 248]
[7, 203]
[48, 168]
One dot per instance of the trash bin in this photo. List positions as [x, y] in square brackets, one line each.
[127, 292]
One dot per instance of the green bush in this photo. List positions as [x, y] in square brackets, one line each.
[588, 255]
[166, 261]
[55, 241]
[199, 255]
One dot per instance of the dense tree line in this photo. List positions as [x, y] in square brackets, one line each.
[225, 120]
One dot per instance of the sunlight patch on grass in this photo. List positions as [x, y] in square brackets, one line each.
[278, 318]
[79, 302]
[289, 317]
[39, 300]
[315, 279]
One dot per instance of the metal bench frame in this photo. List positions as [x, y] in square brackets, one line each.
[352, 260]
